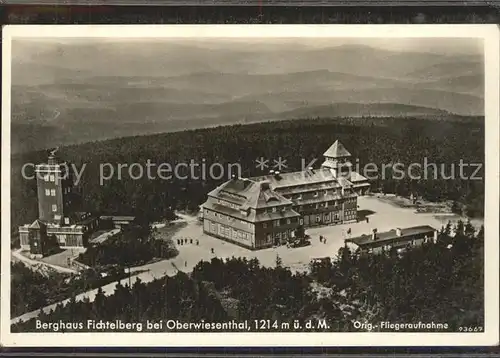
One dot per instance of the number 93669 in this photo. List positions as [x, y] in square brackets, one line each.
[475, 329]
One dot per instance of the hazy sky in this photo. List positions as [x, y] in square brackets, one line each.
[445, 46]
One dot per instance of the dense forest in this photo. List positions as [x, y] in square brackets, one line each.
[437, 282]
[370, 140]
[31, 290]
[133, 246]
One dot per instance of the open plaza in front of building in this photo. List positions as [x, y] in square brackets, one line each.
[381, 214]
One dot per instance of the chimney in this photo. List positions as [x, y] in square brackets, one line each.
[264, 185]
[277, 175]
[374, 234]
[271, 172]
[398, 231]
[311, 169]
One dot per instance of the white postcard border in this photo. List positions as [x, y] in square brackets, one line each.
[490, 34]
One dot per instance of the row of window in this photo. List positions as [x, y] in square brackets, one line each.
[277, 223]
[389, 247]
[275, 209]
[327, 204]
[227, 218]
[325, 218]
[50, 192]
[58, 217]
[48, 177]
[315, 194]
[52, 178]
[228, 232]
[279, 235]
[227, 203]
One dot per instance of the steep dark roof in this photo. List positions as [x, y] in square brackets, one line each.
[247, 193]
[337, 150]
[37, 224]
[307, 177]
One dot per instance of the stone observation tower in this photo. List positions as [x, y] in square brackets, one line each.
[55, 191]
[59, 222]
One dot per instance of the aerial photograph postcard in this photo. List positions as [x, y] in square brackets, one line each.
[264, 181]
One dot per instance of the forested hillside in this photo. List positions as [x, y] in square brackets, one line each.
[371, 140]
[439, 282]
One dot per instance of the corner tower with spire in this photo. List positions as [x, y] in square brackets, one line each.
[338, 161]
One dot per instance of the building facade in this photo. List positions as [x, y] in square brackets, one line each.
[249, 214]
[264, 211]
[398, 239]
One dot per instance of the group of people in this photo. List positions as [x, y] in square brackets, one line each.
[185, 241]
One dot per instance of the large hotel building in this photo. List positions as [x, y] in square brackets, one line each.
[265, 211]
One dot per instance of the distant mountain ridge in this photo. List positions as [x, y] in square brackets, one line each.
[365, 110]
[65, 93]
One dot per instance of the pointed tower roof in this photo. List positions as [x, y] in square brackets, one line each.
[37, 224]
[337, 150]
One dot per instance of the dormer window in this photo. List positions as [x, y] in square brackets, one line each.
[274, 209]
[315, 194]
